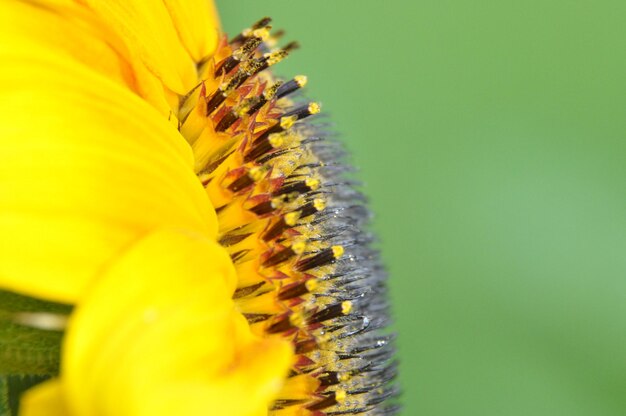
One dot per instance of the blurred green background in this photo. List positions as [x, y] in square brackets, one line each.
[492, 139]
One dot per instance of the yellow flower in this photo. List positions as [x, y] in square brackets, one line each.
[156, 176]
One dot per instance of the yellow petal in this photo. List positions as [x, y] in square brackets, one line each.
[197, 25]
[148, 30]
[86, 168]
[64, 28]
[158, 334]
[46, 399]
[68, 30]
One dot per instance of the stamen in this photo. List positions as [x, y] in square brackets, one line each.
[244, 51]
[298, 187]
[255, 174]
[286, 213]
[326, 256]
[280, 257]
[268, 94]
[297, 289]
[331, 378]
[245, 34]
[292, 85]
[266, 207]
[331, 312]
[304, 111]
[313, 207]
[246, 70]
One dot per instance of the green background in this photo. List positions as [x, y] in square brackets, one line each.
[492, 138]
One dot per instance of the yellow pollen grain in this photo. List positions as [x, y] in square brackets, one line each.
[312, 183]
[256, 173]
[276, 140]
[275, 57]
[223, 88]
[340, 396]
[277, 203]
[287, 122]
[301, 80]
[249, 68]
[262, 33]
[346, 307]
[292, 218]
[298, 247]
[311, 285]
[319, 204]
[337, 251]
[322, 339]
[314, 108]
[244, 107]
[271, 91]
[343, 377]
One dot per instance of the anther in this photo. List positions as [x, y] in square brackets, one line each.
[312, 207]
[297, 289]
[272, 58]
[305, 346]
[331, 378]
[227, 121]
[267, 95]
[326, 256]
[331, 312]
[246, 33]
[291, 46]
[255, 174]
[304, 111]
[285, 323]
[266, 207]
[287, 221]
[263, 146]
[280, 257]
[244, 51]
[240, 183]
[246, 107]
[298, 187]
[283, 124]
[292, 85]
[246, 70]
[281, 325]
[337, 251]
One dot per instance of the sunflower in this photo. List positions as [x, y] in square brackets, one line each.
[172, 218]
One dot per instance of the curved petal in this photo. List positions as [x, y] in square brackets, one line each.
[197, 24]
[86, 168]
[64, 28]
[46, 399]
[148, 30]
[163, 315]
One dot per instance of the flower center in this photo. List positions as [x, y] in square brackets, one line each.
[294, 227]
